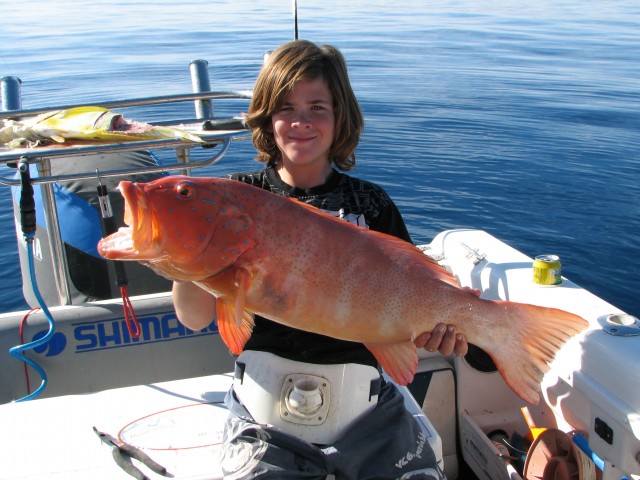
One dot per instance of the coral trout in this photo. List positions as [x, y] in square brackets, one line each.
[260, 253]
[95, 124]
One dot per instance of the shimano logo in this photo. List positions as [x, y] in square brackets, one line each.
[113, 332]
[91, 336]
[53, 347]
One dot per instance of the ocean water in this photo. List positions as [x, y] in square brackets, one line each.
[521, 120]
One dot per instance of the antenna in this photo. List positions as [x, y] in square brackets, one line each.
[295, 19]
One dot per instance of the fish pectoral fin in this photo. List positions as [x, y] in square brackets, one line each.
[235, 327]
[57, 138]
[399, 360]
[243, 281]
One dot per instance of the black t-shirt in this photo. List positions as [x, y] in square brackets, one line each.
[356, 201]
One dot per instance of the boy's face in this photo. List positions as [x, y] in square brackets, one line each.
[304, 127]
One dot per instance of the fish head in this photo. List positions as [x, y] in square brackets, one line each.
[182, 227]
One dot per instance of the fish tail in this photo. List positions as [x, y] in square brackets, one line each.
[6, 133]
[9, 130]
[537, 334]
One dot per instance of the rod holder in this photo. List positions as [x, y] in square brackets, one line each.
[200, 83]
[11, 93]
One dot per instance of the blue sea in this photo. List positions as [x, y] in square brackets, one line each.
[521, 119]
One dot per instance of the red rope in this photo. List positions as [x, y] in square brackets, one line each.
[23, 322]
[129, 314]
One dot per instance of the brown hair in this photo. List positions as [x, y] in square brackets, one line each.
[287, 65]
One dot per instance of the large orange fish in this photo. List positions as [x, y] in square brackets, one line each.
[260, 253]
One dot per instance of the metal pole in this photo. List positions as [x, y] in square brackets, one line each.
[10, 91]
[58, 254]
[295, 19]
[134, 102]
[204, 108]
[200, 83]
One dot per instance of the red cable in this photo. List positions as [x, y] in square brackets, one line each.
[129, 314]
[23, 322]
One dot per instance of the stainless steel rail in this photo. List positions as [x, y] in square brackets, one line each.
[43, 155]
[132, 102]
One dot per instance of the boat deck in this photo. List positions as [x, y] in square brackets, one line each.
[178, 424]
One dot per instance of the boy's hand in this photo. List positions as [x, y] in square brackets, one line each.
[444, 339]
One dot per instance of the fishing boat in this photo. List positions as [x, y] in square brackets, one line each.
[80, 377]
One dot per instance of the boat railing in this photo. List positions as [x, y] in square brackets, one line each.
[215, 132]
[44, 155]
[133, 102]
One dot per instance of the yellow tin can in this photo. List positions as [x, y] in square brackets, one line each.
[547, 270]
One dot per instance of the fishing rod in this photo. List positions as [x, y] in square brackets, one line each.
[295, 19]
[108, 227]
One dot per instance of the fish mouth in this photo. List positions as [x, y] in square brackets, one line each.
[138, 239]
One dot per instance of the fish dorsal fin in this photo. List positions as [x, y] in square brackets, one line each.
[41, 118]
[404, 251]
[394, 246]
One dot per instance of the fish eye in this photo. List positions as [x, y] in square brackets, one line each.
[185, 190]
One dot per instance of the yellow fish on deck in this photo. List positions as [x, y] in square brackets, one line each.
[89, 123]
[260, 253]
